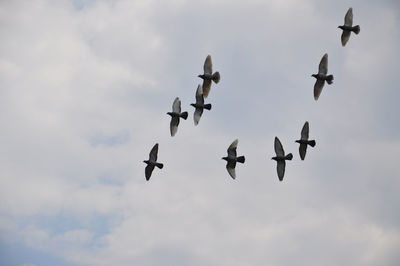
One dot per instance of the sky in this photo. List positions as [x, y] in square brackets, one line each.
[84, 91]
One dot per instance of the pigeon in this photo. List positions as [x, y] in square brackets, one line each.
[199, 105]
[322, 76]
[175, 115]
[152, 162]
[280, 158]
[231, 159]
[348, 27]
[303, 141]
[208, 76]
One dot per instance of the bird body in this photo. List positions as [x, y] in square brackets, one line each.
[348, 27]
[152, 162]
[232, 159]
[280, 158]
[176, 114]
[321, 77]
[199, 105]
[208, 76]
[304, 142]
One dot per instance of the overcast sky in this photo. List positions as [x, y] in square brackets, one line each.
[84, 91]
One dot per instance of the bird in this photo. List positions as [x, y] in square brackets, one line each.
[208, 76]
[152, 162]
[322, 76]
[348, 27]
[280, 158]
[199, 105]
[231, 159]
[303, 141]
[175, 115]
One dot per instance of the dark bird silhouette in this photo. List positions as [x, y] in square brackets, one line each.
[303, 141]
[322, 76]
[152, 162]
[199, 105]
[280, 158]
[348, 27]
[208, 76]
[175, 115]
[231, 159]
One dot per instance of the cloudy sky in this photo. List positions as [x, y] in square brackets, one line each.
[84, 91]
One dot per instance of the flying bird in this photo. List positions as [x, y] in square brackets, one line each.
[152, 162]
[208, 76]
[175, 115]
[199, 105]
[322, 76]
[303, 141]
[348, 27]
[280, 158]
[231, 159]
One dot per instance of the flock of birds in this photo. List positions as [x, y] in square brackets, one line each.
[232, 158]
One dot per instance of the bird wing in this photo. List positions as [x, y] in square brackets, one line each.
[323, 65]
[303, 150]
[208, 65]
[232, 148]
[280, 168]
[197, 115]
[199, 95]
[153, 153]
[230, 166]
[348, 18]
[206, 87]
[149, 169]
[319, 84]
[278, 147]
[304, 131]
[176, 106]
[174, 125]
[345, 37]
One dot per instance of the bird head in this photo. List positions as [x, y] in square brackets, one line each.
[201, 76]
[146, 161]
[314, 75]
[274, 158]
[192, 104]
[340, 27]
[225, 158]
[169, 113]
[298, 141]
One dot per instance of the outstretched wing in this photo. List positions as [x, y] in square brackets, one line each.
[199, 95]
[232, 148]
[348, 18]
[206, 87]
[319, 84]
[153, 153]
[278, 147]
[280, 168]
[304, 131]
[176, 106]
[149, 169]
[174, 125]
[230, 166]
[303, 150]
[208, 65]
[323, 65]
[345, 37]
[197, 115]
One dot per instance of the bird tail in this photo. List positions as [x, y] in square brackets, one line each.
[216, 77]
[312, 143]
[184, 115]
[289, 156]
[159, 165]
[240, 159]
[329, 79]
[207, 106]
[356, 29]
